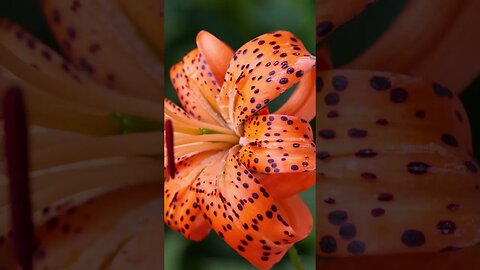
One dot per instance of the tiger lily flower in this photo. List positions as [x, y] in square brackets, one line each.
[398, 185]
[94, 123]
[238, 167]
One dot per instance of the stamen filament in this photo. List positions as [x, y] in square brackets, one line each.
[181, 139]
[194, 123]
[187, 149]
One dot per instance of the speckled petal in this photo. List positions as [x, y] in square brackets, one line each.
[302, 102]
[243, 213]
[287, 184]
[459, 259]
[394, 160]
[196, 87]
[181, 210]
[216, 53]
[277, 144]
[72, 229]
[260, 71]
[35, 53]
[100, 39]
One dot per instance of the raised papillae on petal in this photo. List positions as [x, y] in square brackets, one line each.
[276, 143]
[260, 71]
[242, 212]
[396, 174]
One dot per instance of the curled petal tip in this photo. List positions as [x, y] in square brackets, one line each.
[216, 53]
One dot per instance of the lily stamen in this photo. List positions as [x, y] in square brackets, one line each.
[181, 139]
[182, 150]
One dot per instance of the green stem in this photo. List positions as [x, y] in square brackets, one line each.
[292, 253]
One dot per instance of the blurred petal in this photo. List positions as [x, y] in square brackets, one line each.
[147, 15]
[442, 38]
[79, 91]
[33, 52]
[98, 225]
[277, 144]
[460, 260]
[383, 109]
[216, 53]
[394, 160]
[196, 87]
[332, 14]
[302, 102]
[181, 210]
[43, 109]
[287, 184]
[99, 38]
[142, 251]
[244, 214]
[324, 61]
[260, 71]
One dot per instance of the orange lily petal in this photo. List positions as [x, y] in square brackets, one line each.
[185, 123]
[459, 260]
[442, 38]
[277, 144]
[74, 228]
[147, 15]
[181, 211]
[302, 102]
[196, 87]
[242, 212]
[287, 184]
[359, 106]
[332, 14]
[216, 53]
[32, 51]
[394, 156]
[143, 251]
[299, 215]
[260, 71]
[99, 38]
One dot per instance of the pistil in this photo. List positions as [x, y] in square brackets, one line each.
[170, 148]
[16, 150]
